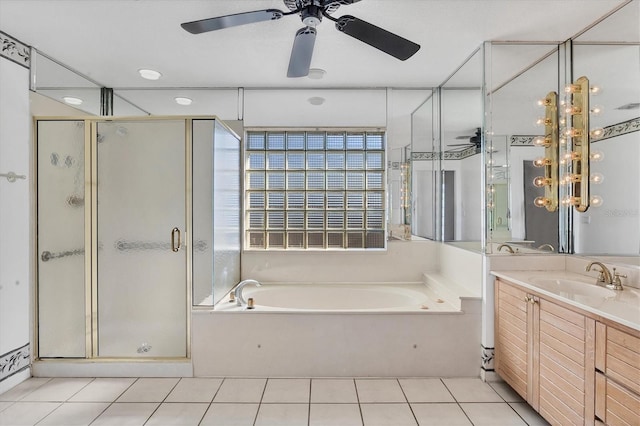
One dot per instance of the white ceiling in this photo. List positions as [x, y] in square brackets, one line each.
[109, 40]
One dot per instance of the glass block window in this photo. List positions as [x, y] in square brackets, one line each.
[315, 190]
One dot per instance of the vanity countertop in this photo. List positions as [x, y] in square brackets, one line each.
[581, 291]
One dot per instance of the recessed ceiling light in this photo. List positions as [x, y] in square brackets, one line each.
[316, 73]
[149, 74]
[183, 101]
[72, 101]
[316, 100]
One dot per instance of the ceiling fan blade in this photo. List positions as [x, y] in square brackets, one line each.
[221, 22]
[302, 52]
[377, 37]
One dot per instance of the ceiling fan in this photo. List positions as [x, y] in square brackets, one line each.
[475, 140]
[311, 12]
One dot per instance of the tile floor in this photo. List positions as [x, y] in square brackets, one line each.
[263, 402]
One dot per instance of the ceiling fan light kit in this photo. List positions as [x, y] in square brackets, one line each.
[311, 13]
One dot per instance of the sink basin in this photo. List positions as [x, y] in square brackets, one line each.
[579, 291]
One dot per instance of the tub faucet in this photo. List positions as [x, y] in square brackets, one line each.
[611, 281]
[240, 301]
[547, 246]
[507, 246]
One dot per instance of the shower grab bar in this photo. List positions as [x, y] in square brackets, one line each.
[12, 177]
[47, 255]
[124, 245]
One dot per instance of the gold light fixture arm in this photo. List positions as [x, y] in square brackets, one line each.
[580, 142]
[551, 150]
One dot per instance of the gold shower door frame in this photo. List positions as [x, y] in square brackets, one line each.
[91, 229]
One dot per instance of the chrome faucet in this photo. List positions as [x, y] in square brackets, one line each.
[611, 281]
[507, 246]
[240, 301]
[547, 246]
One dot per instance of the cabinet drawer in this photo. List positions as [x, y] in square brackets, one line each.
[623, 359]
[615, 404]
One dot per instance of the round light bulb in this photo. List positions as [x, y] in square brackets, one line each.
[541, 162]
[596, 178]
[595, 90]
[596, 156]
[541, 141]
[596, 201]
[541, 202]
[596, 110]
[540, 181]
[596, 133]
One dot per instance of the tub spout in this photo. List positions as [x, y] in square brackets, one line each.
[240, 301]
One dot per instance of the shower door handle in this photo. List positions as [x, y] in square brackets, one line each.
[174, 232]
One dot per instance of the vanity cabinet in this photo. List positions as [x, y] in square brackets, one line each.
[617, 393]
[545, 351]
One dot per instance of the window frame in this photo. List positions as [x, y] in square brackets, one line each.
[286, 210]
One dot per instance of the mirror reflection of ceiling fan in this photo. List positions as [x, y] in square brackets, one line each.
[474, 140]
[311, 13]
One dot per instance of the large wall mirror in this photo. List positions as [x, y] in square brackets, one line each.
[424, 165]
[609, 55]
[517, 77]
[461, 169]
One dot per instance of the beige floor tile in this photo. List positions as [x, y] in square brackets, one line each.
[505, 391]
[221, 414]
[149, 390]
[492, 414]
[126, 414]
[241, 390]
[528, 414]
[57, 390]
[387, 415]
[287, 391]
[440, 414]
[178, 414]
[103, 390]
[471, 390]
[20, 391]
[425, 390]
[5, 404]
[26, 413]
[335, 415]
[74, 414]
[379, 390]
[333, 391]
[283, 415]
[194, 390]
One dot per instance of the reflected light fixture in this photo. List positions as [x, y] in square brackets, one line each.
[149, 74]
[71, 100]
[183, 101]
[551, 153]
[579, 156]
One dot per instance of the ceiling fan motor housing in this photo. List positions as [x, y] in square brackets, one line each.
[311, 15]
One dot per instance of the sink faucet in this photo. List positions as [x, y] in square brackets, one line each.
[507, 246]
[611, 281]
[547, 246]
[240, 301]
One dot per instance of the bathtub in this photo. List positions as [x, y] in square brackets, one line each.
[338, 330]
[396, 297]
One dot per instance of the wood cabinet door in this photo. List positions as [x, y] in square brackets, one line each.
[567, 363]
[511, 337]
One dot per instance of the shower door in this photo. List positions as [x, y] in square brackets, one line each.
[141, 262]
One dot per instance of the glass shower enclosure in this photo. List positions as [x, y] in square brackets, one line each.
[133, 230]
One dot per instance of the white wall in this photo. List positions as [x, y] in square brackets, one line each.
[403, 261]
[15, 276]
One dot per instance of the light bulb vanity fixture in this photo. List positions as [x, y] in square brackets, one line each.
[572, 168]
